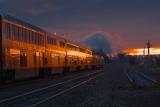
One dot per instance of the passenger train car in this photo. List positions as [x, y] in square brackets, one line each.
[29, 51]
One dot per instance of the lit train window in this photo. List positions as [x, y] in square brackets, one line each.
[71, 47]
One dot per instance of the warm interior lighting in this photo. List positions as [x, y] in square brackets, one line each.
[140, 51]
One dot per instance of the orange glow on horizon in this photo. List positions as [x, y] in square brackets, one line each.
[140, 51]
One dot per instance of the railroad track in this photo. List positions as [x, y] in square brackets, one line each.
[40, 96]
[29, 81]
[138, 79]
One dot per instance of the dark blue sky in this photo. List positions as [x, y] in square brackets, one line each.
[125, 23]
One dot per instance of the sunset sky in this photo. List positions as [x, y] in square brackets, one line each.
[123, 23]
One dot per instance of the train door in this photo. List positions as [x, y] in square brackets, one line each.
[23, 58]
[41, 59]
[37, 59]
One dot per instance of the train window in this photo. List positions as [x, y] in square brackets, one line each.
[39, 39]
[62, 44]
[23, 60]
[69, 46]
[51, 41]
[14, 32]
[25, 35]
[82, 50]
[20, 33]
[17, 33]
[30, 36]
[36, 38]
[8, 30]
[48, 39]
[33, 33]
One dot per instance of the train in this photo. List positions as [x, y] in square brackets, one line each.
[28, 51]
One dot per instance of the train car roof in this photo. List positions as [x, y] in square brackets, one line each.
[79, 45]
[19, 21]
[55, 36]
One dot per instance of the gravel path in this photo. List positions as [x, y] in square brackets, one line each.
[110, 90]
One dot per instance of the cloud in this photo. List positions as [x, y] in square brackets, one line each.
[2, 1]
[124, 23]
[98, 42]
[40, 9]
[31, 7]
[105, 40]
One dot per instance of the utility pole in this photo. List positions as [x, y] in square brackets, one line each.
[144, 51]
[148, 47]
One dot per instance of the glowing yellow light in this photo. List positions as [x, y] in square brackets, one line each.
[140, 51]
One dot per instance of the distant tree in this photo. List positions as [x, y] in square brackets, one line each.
[120, 56]
[101, 52]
